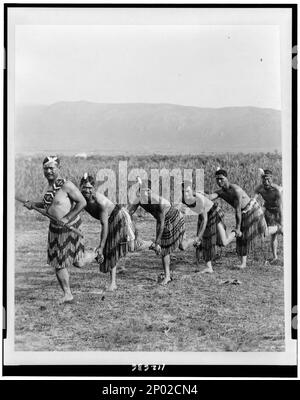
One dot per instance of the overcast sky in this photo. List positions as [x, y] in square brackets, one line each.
[206, 66]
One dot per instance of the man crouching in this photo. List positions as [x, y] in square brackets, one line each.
[117, 236]
[170, 228]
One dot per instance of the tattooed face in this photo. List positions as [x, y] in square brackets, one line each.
[51, 171]
[267, 181]
[222, 181]
[188, 194]
[87, 190]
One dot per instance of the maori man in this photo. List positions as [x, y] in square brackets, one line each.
[64, 202]
[272, 196]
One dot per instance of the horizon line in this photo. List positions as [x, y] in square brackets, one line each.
[139, 103]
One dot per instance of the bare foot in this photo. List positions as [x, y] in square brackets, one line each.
[242, 266]
[78, 264]
[165, 281]
[112, 287]
[207, 271]
[68, 298]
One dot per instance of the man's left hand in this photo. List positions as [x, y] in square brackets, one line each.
[157, 249]
[238, 233]
[64, 221]
[100, 256]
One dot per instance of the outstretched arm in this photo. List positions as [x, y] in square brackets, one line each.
[256, 192]
[28, 204]
[213, 196]
[132, 208]
[160, 224]
[202, 225]
[238, 213]
[280, 204]
[103, 217]
[134, 205]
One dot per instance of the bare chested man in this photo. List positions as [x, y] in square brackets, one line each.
[117, 233]
[249, 217]
[63, 201]
[272, 195]
[211, 229]
[170, 228]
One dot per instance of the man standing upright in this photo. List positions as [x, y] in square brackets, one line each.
[63, 201]
[249, 216]
[272, 195]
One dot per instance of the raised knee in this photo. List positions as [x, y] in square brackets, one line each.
[181, 247]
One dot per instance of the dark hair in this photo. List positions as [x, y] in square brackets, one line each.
[88, 179]
[267, 172]
[146, 183]
[186, 184]
[221, 172]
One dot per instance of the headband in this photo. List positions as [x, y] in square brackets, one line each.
[51, 159]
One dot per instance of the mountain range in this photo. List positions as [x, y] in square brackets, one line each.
[142, 128]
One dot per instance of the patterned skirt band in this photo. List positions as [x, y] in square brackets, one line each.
[252, 203]
[271, 208]
[173, 232]
[120, 237]
[273, 216]
[64, 246]
[253, 227]
[211, 237]
[54, 226]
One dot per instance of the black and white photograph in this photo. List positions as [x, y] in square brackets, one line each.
[149, 195]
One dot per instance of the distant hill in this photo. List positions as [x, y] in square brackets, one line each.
[71, 127]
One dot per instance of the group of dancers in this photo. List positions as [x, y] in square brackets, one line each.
[64, 202]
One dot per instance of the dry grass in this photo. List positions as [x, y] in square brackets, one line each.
[193, 313]
[242, 169]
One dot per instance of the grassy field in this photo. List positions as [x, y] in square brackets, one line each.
[194, 312]
[242, 169]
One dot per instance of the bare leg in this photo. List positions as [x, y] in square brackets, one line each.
[63, 279]
[243, 262]
[113, 285]
[87, 258]
[166, 266]
[208, 269]
[121, 266]
[198, 261]
[272, 230]
[274, 246]
[186, 243]
[226, 239]
[143, 245]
